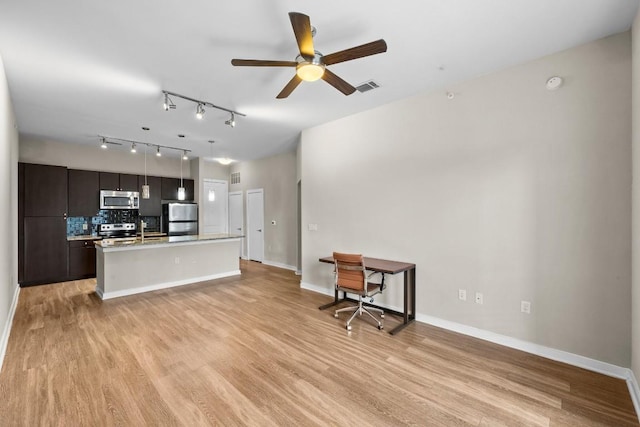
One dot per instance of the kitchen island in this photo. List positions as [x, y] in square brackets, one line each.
[127, 267]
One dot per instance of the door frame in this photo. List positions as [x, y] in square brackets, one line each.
[242, 241]
[253, 191]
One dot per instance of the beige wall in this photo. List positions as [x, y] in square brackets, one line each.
[635, 329]
[76, 156]
[277, 176]
[9, 201]
[509, 189]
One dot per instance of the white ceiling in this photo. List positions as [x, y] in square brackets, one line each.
[77, 69]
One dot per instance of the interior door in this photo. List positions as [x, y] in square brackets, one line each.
[236, 216]
[215, 203]
[255, 224]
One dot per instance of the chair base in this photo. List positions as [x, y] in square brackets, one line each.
[358, 310]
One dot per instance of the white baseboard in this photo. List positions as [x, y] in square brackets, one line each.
[316, 288]
[279, 265]
[165, 285]
[4, 339]
[529, 347]
[526, 346]
[634, 391]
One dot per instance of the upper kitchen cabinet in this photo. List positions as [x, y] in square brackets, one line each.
[118, 181]
[152, 205]
[84, 187]
[128, 182]
[170, 188]
[45, 190]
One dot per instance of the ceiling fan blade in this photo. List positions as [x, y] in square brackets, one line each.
[337, 82]
[302, 30]
[262, 63]
[373, 48]
[293, 83]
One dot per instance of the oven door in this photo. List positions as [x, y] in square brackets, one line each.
[119, 199]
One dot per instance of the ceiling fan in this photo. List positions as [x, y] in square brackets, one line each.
[310, 64]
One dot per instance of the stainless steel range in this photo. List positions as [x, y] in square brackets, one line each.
[116, 231]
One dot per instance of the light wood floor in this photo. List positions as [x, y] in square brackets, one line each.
[255, 350]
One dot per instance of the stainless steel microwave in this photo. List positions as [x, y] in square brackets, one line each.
[119, 199]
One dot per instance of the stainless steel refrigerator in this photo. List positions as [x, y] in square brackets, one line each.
[179, 218]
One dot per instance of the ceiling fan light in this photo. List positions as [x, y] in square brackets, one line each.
[310, 72]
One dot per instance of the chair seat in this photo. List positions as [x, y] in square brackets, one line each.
[372, 288]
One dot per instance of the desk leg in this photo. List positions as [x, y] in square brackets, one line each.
[409, 300]
[336, 301]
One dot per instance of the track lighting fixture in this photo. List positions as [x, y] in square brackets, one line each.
[199, 111]
[232, 121]
[103, 145]
[106, 140]
[168, 104]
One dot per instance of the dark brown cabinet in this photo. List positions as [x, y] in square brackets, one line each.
[82, 259]
[118, 181]
[45, 190]
[151, 206]
[84, 191]
[42, 212]
[45, 250]
[128, 182]
[170, 188]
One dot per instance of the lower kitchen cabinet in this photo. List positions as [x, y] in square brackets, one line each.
[45, 250]
[82, 259]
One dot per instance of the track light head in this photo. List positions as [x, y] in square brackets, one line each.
[232, 121]
[103, 144]
[133, 148]
[184, 155]
[158, 153]
[168, 103]
[200, 111]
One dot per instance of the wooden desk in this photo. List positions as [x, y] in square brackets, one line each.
[387, 267]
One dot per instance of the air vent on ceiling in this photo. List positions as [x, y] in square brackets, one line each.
[367, 86]
[235, 178]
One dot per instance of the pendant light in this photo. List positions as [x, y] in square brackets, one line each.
[181, 192]
[145, 187]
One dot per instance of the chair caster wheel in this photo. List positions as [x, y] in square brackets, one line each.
[335, 315]
[348, 327]
[380, 327]
[382, 316]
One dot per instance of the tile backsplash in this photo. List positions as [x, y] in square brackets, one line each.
[75, 224]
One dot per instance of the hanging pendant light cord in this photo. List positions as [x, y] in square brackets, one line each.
[145, 165]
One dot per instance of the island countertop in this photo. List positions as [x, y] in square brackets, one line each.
[152, 241]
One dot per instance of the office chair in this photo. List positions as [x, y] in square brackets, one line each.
[351, 277]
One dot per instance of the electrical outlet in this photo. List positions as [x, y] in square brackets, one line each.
[462, 294]
[273, 222]
[177, 260]
[85, 226]
[525, 307]
[313, 227]
[479, 298]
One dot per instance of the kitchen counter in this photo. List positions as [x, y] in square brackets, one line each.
[132, 266]
[155, 240]
[75, 238]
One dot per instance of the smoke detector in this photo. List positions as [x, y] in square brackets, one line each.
[554, 83]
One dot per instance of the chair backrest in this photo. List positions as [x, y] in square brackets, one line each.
[350, 271]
